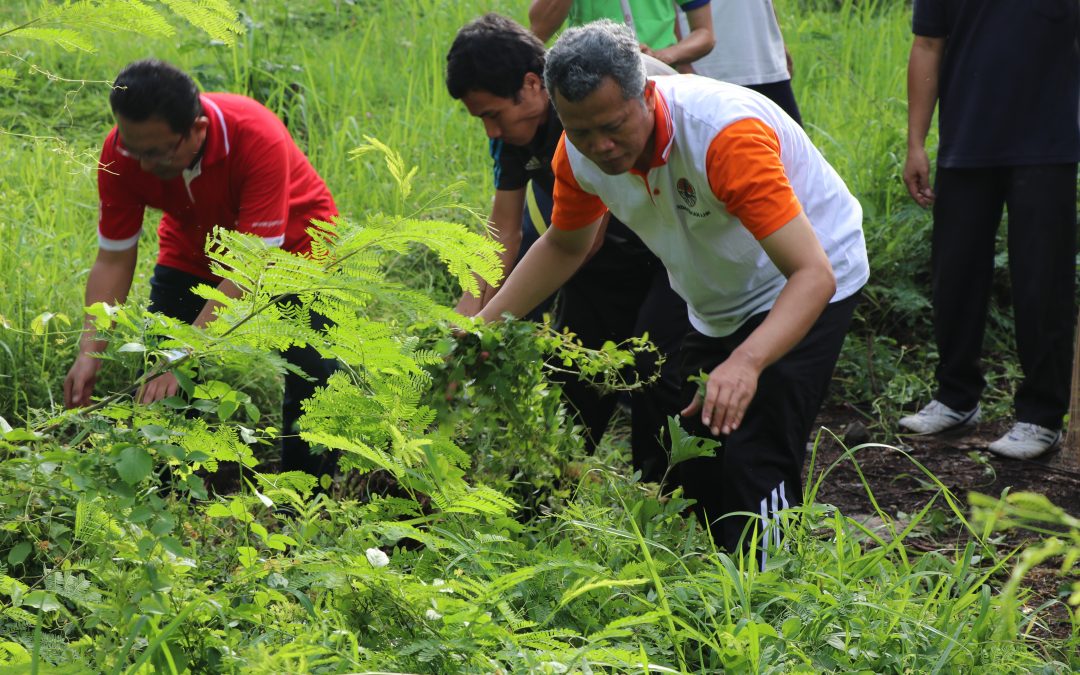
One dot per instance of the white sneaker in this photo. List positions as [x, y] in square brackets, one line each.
[1024, 441]
[937, 417]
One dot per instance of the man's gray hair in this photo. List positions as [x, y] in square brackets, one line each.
[582, 57]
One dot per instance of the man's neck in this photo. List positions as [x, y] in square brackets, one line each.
[198, 155]
[644, 160]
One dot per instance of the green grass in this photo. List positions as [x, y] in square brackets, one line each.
[602, 576]
[335, 71]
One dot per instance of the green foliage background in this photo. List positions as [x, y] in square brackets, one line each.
[337, 70]
[496, 547]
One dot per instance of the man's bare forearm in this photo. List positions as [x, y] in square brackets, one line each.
[550, 262]
[546, 16]
[924, 64]
[109, 281]
[698, 41]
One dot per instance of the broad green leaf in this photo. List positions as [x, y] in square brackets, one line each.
[42, 600]
[247, 555]
[213, 389]
[134, 464]
[218, 510]
[280, 541]
[186, 383]
[196, 487]
[226, 408]
[18, 435]
[19, 552]
[685, 447]
[40, 323]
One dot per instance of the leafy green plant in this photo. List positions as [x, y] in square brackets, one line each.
[498, 548]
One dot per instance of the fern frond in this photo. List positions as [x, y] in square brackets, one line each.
[92, 521]
[216, 18]
[69, 24]
[554, 640]
[109, 15]
[373, 456]
[51, 648]
[473, 501]
[20, 615]
[462, 251]
[74, 587]
[395, 532]
[68, 39]
[394, 163]
[297, 481]
[220, 444]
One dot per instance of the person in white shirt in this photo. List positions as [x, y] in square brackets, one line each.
[758, 233]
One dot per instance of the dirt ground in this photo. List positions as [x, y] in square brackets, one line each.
[962, 464]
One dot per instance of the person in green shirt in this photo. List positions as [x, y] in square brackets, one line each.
[653, 23]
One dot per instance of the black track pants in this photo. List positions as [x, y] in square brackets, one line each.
[758, 470]
[170, 294]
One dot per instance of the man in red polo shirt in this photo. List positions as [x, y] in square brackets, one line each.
[203, 160]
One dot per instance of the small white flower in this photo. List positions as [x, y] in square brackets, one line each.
[432, 615]
[441, 585]
[376, 557]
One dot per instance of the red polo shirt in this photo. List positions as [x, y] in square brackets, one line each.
[252, 178]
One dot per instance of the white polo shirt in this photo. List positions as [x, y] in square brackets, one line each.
[729, 169]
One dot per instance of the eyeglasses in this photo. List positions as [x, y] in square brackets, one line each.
[149, 156]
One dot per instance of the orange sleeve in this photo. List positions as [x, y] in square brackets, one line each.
[573, 207]
[746, 174]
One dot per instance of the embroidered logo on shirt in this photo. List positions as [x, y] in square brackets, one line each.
[533, 164]
[686, 191]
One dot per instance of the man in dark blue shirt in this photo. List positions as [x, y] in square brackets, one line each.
[495, 67]
[1005, 76]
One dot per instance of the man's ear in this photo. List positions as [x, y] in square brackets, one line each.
[649, 95]
[532, 83]
[198, 128]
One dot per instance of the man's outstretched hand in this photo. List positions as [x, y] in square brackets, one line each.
[162, 386]
[80, 380]
[728, 392]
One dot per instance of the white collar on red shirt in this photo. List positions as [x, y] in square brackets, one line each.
[217, 133]
[216, 145]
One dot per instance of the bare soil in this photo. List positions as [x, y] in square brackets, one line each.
[963, 465]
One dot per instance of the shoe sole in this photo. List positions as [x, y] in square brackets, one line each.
[958, 429]
[1056, 445]
[952, 432]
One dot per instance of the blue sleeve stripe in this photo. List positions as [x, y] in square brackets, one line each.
[692, 4]
[495, 147]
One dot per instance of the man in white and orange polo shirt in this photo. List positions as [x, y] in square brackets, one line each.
[203, 160]
[758, 233]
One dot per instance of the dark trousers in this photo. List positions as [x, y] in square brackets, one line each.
[170, 294]
[1041, 202]
[621, 292]
[757, 471]
[782, 95]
